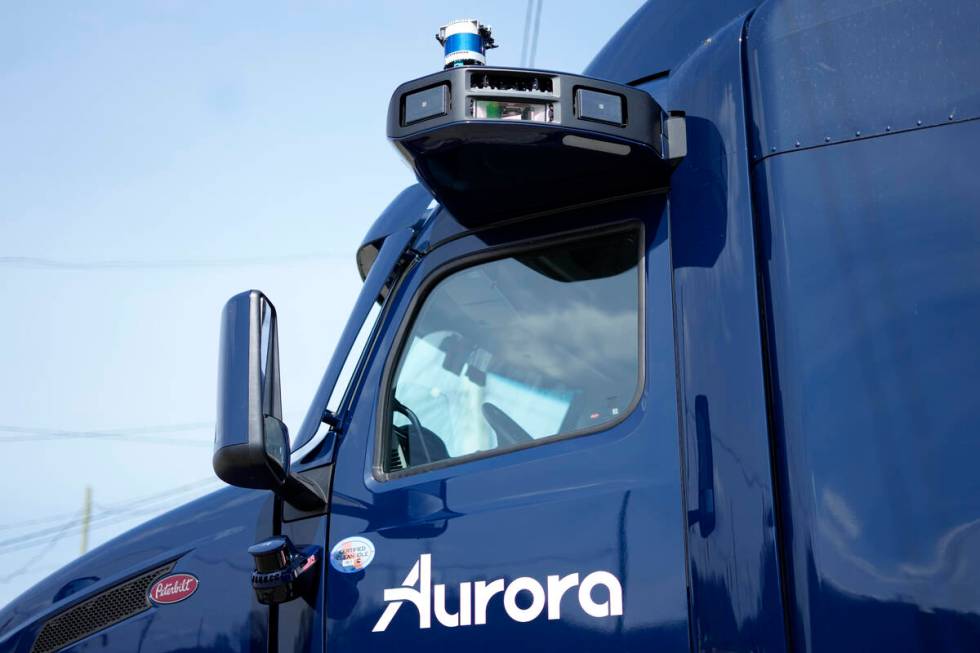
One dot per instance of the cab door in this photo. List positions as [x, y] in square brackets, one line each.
[510, 473]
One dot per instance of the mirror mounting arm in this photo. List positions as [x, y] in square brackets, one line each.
[329, 418]
[302, 494]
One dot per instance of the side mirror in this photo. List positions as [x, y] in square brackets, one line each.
[251, 443]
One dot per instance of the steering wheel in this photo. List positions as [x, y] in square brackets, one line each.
[508, 431]
[414, 424]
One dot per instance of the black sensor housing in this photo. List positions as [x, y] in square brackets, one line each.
[491, 143]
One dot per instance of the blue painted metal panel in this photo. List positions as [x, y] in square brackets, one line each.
[870, 251]
[661, 35]
[873, 271]
[407, 210]
[607, 501]
[736, 599]
[300, 627]
[844, 69]
[441, 227]
[208, 538]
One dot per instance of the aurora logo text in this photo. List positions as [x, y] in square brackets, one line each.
[474, 597]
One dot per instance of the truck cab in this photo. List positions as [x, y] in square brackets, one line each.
[678, 354]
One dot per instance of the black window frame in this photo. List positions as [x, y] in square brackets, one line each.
[384, 426]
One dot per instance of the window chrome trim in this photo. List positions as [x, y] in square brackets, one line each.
[383, 426]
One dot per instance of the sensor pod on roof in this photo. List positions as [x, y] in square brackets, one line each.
[491, 143]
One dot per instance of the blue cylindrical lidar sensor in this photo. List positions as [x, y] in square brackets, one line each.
[465, 43]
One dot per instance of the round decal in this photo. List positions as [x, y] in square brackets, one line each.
[352, 554]
[172, 589]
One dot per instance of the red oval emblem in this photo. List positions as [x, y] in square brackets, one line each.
[173, 589]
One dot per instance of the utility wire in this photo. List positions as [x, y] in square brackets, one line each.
[42, 263]
[125, 505]
[120, 437]
[40, 520]
[25, 570]
[29, 565]
[69, 529]
[534, 35]
[74, 527]
[124, 511]
[121, 509]
[156, 428]
[37, 537]
[135, 434]
[527, 32]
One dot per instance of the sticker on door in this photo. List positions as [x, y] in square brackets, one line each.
[352, 554]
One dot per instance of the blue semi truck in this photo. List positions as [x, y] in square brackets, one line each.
[680, 354]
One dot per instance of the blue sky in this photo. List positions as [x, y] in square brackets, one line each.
[156, 158]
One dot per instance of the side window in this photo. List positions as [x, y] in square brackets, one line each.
[537, 345]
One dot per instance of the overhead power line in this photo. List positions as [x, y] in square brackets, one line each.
[534, 34]
[50, 519]
[73, 528]
[131, 503]
[183, 442]
[106, 516]
[123, 511]
[28, 566]
[155, 428]
[527, 32]
[133, 434]
[116, 506]
[42, 263]
[70, 529]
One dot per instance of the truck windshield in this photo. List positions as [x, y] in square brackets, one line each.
[518, 349]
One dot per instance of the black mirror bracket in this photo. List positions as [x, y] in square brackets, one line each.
[329, 418]
[309, 496]
[303, 493]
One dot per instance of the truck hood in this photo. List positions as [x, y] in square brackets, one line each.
[226, 520]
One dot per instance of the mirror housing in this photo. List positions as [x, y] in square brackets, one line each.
[251, 442]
